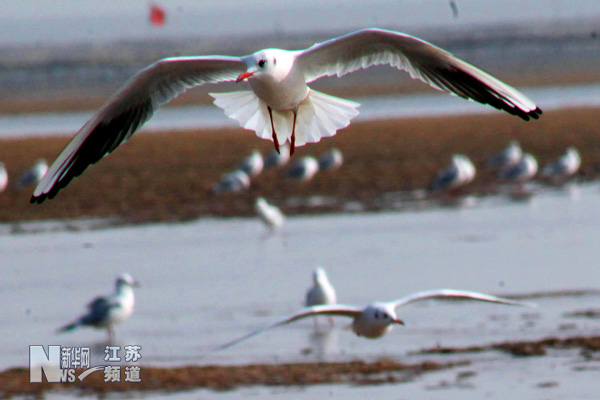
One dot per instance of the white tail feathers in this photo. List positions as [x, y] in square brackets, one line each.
[319, 115]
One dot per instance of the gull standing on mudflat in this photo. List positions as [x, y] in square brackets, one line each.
[269, 214]
[280, 106]
[566, 165]
[330, 160]
[105, 312]
[34, 175]
[3, 177]
[376, 319]
[507, 157]
[278, 158]
[253, 164]
[520, 172]
[459, 173]
[304, 169]
[235, 181]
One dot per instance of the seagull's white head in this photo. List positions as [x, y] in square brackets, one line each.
[320, 276]
[260, 203]
[268, 64]
[126, 280]
[376, 320]
[572, 153]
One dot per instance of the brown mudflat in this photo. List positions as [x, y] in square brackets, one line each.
[526, 348]
[169, 176]
[16, 381]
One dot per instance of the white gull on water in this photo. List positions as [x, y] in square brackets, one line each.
[321, 292]
[376, 319]
[280, 106]
[105, 312]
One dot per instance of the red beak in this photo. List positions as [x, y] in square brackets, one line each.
[399, 321]
[243, 76]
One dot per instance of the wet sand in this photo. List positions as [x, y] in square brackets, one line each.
[169, 176]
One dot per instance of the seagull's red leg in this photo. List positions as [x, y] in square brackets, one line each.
[275, 141]
[293, 138]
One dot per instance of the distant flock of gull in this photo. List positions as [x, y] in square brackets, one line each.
[304, 169]
[511, 164]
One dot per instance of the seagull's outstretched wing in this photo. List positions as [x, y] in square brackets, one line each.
[420, 59]
[128, 109]
[457, 294]
[338, 309]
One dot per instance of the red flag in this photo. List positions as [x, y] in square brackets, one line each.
[157, 15]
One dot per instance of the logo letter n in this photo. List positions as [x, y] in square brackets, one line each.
[49, 363]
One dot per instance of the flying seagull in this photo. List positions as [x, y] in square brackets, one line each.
[376, 319]
[280, 106]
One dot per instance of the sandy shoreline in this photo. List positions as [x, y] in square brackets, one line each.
[169, 176]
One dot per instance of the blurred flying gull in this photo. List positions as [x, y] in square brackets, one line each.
[280, 106]
[105, 312]
[376, 319]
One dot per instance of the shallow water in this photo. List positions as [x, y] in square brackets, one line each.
[209, 281]
[372, 108]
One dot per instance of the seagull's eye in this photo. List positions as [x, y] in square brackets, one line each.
[261, 63]
[385, 316]
[274, 61]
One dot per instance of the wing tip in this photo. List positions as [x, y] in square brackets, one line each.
[534, 114]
